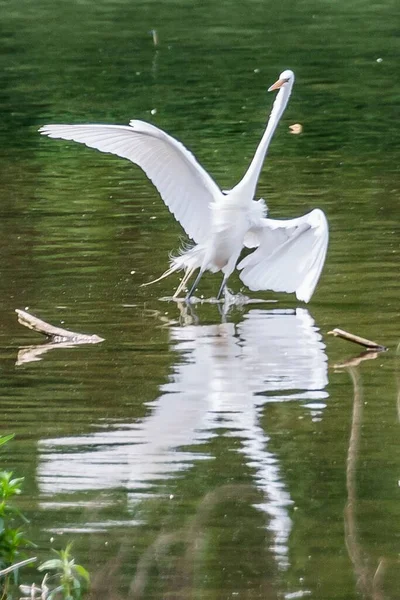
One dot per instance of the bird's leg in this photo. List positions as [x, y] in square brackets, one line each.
[185, 278]
[194, 286]
[221, 289]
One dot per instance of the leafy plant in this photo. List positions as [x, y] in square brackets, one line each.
[69, 580]
[8, 488]
[12, 539]
[72, 579]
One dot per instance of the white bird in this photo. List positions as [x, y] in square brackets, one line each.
[289, 254]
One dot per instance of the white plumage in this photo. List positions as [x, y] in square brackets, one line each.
[183, 184]
[289, 255]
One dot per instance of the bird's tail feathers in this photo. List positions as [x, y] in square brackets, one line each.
[169, 271]
[190, 258]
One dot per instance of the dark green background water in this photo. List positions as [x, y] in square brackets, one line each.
[186, 457]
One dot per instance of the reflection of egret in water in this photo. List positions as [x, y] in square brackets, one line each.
[224, 376]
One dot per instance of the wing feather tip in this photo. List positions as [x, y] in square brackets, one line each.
[51, 130]
[304, 296]
[44, 129]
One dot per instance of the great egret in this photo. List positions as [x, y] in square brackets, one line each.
[289, 254]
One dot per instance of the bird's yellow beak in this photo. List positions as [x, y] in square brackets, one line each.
[278, 84]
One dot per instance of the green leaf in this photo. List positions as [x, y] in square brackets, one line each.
[76, 584]
[82, 572]
[54, 563]
[16, 482]
[6, 438]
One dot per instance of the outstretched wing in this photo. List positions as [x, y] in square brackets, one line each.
[289, 257]
[183, 184]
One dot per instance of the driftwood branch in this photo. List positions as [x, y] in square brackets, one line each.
[56, 338]
[350, 337]
[56, 334]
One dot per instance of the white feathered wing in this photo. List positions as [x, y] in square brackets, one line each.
[186, 188]
[289, 257]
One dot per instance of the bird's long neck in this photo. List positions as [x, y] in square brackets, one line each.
[250, 179]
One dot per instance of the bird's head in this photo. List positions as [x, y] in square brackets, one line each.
[286, 79]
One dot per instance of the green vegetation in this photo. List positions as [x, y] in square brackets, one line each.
[72, 579]
[69, 581]
[12, 538]
[5, 438]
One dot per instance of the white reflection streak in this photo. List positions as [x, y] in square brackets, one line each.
[223, 379]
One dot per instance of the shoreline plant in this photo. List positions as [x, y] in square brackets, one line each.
[63, 579]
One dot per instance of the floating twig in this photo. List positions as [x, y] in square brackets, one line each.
[350, 337]
[17, 565]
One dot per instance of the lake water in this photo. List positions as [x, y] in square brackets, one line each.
[194, 455]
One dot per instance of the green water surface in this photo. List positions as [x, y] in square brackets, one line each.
[191, 455]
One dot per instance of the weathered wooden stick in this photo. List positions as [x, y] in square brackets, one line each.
[56, 334]
[18, 565]
[350, 337]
